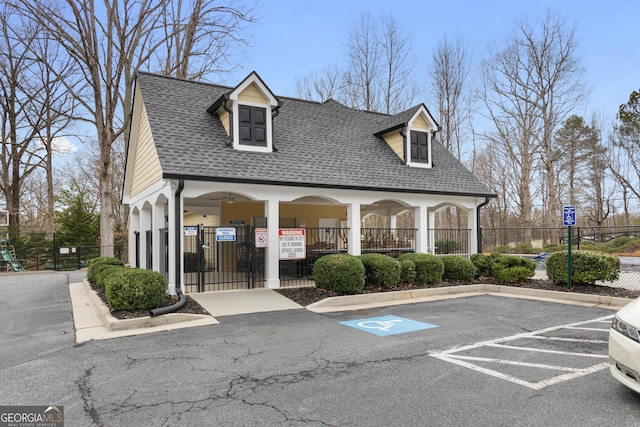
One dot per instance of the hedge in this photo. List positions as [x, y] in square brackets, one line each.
[135, 289]
[380, 269]
[457, 268]
[95, 266]
[429, 268]
[340, 273]
[587, 267]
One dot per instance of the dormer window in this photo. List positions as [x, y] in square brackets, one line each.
[253, 126]
[247, 112]
[409, 135]
[419, 147]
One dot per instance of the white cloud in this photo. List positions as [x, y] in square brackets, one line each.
[62, 146]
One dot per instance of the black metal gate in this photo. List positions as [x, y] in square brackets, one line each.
[223, 258]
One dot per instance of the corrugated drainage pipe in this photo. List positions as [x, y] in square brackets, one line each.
[182, 300]
[170, 308]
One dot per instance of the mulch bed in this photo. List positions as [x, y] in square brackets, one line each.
[308, 295]
[189, 307]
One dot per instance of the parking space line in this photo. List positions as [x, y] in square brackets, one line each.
[515, 363]
[571, 372]
[544, 350]
[569, 339]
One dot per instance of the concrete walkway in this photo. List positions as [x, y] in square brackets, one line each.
[93, 320]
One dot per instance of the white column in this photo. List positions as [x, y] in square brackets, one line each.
[472, 225]
[431, 226]
[175, 231]
[272, 252]
[145, 225]
[134, 226]
[353, 220]
[420, 218]
[157, 224]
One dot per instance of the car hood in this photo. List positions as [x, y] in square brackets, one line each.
[630, 313]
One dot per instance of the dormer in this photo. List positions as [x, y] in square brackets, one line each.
[409, 134]
[246, 112]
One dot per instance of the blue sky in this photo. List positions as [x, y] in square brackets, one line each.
[297, 37]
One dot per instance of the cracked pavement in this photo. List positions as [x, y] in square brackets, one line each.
[297, 368]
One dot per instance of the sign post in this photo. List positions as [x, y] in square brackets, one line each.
[569, 220]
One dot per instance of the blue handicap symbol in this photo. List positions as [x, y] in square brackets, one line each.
[387, 325]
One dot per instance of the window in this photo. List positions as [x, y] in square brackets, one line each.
[253, 126]
[419, 147]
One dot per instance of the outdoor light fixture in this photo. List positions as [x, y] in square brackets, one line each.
[231, 198]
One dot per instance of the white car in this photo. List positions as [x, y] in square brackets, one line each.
[624, 346]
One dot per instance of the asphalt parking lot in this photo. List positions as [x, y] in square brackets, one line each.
[483, 360]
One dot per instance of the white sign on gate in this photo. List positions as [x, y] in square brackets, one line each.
[225, 234]
[292, 243]
[261, 237]
[190, 230]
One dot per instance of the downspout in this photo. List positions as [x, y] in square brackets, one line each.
[178, 250]
[275, 112]
[224, 106]
[404, 146]
[478, 228]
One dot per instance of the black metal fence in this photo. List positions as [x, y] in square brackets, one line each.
[538, 238]
[42, 251]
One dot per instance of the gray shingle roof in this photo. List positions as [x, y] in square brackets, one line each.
[319, 145]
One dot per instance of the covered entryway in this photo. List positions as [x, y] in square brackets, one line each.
[222, 258]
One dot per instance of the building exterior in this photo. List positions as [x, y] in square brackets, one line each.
[204, 155]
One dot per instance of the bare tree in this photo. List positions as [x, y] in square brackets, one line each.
[554, 73]
[201, 37]
[321, 86]
[20, 94]
[516, 124]
[624, 161]
[363, 53]
[449, 74]
[109, 44]
[397, 67]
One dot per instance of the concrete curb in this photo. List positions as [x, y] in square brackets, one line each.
[112, 324]
[355, 302]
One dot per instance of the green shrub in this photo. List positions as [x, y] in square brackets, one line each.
[587, 267]
[512, 269]
[457, 268]
[380, 269]
[104, 272]
[484, 263]
[429, 268]
[525, 248]
[512, 274]
[95, 266]
[619, 242]
[340, 273]
[135, 289]
[407, 271]
[447, 246]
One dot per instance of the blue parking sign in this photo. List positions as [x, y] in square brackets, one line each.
[569, 216]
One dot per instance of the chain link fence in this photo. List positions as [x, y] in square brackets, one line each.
[539, 242]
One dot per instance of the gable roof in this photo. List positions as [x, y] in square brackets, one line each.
[323, 145]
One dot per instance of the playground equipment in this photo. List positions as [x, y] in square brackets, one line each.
[9, 256]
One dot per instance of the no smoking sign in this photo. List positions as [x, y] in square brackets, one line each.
[261, 238]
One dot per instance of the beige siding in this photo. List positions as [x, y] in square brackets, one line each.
[252, 94]
[146, 166]
[420, 123]
[394, 140]
[224, 118]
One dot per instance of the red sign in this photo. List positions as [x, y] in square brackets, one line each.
[292, 243]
